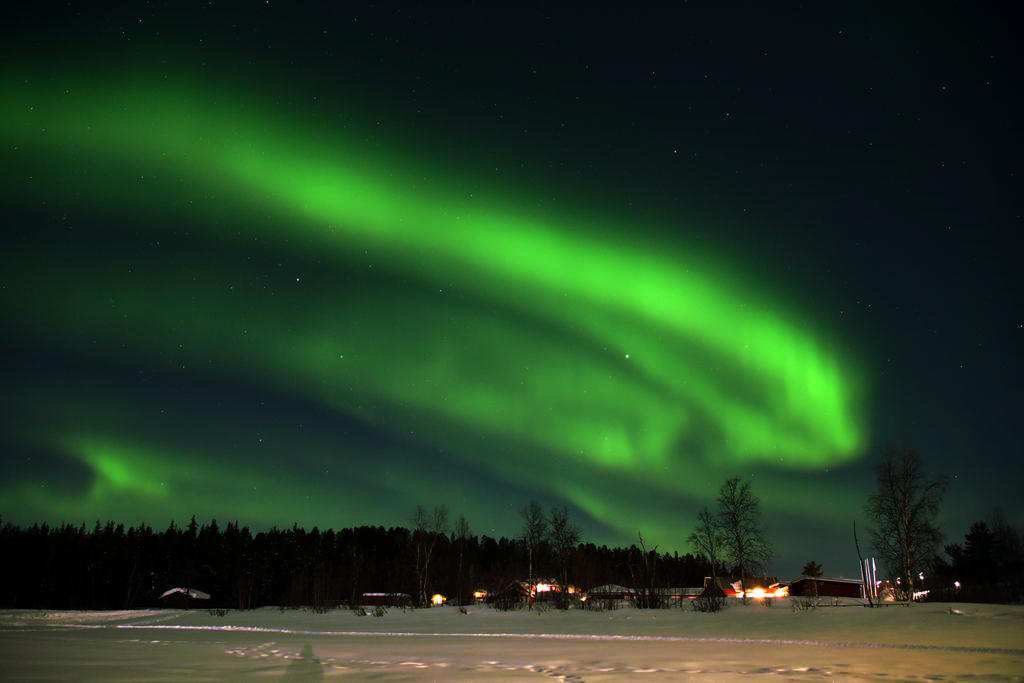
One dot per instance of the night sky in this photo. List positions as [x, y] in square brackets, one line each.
[321, 265]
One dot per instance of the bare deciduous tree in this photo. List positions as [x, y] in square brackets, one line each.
[535, 527]
[564, 537]
[706, 539]
[643, 569]
[903, 511]
[427, 526]
[739, 515]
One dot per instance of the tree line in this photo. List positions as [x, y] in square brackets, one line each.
[111, 566]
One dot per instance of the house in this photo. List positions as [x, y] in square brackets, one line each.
[184, 598]
[550, 589]
[515, 594]
[823, 587]
[386, 599]
[608, 596]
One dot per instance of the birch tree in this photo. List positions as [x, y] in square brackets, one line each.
[739, 517]
[427, 527]
[535, 528]
[903, 514]
[707, 541]
[563, 537]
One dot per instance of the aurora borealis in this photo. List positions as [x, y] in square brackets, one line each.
[226, 297]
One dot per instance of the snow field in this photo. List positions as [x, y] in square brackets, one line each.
[921, 642]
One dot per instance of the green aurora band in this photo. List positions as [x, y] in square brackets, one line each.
[568, 340]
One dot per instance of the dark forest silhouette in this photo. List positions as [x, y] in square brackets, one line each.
[110, 566]
[987, 567]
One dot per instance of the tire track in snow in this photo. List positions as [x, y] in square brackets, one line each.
[584, 637]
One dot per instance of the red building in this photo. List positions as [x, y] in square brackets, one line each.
[822, 587]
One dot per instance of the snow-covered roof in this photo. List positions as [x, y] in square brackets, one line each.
[193, 593]
[825, 578]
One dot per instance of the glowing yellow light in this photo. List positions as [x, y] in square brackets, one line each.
[438, 599]
[759, 593]
[543, 588]
[479, 595]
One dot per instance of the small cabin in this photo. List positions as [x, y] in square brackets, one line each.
[515, 594]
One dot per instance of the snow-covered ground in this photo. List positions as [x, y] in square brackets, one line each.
[924, 641]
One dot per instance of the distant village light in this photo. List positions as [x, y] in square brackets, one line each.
[775, 590]
[438, 599]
